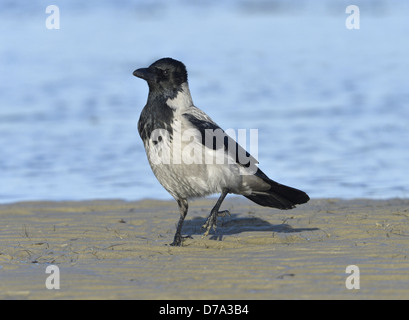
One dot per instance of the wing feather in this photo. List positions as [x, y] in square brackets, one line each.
[213, 137]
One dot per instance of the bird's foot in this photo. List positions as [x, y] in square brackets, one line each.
[177, 241]
[211, 221]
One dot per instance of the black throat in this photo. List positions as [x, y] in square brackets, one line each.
[156, 115]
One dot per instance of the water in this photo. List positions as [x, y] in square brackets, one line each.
[331, 105]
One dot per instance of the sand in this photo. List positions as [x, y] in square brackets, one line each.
[113, 249]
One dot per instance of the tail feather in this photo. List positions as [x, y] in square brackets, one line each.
[278, 196]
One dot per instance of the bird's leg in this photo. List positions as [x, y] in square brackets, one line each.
[183, 207]
[212, 219]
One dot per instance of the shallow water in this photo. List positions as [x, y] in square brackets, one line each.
[331, 105]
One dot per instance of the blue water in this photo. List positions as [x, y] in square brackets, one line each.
[331, 105]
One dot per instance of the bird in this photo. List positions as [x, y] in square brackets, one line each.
[192, 157]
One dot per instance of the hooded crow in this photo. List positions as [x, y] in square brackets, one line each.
[192, 156]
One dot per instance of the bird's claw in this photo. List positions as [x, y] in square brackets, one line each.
[211, 221]
[177, 242]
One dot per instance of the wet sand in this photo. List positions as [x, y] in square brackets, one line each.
[114, 249]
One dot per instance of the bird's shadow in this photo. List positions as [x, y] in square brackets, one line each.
[234, 224]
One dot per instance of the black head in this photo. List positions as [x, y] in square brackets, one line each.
[165, 75]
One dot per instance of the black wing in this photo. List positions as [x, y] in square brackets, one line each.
[214, 137]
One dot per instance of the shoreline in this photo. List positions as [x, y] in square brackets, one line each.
[116, 249]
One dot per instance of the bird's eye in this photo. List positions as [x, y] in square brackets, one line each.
[165, 72]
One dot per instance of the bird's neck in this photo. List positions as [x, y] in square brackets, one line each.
[182, 100]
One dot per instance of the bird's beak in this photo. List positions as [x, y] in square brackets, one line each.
[144, 73]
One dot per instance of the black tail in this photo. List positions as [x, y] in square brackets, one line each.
[278, 196]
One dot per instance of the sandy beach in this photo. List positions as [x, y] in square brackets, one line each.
[114, 249]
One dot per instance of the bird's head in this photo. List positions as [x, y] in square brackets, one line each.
[164, 76]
